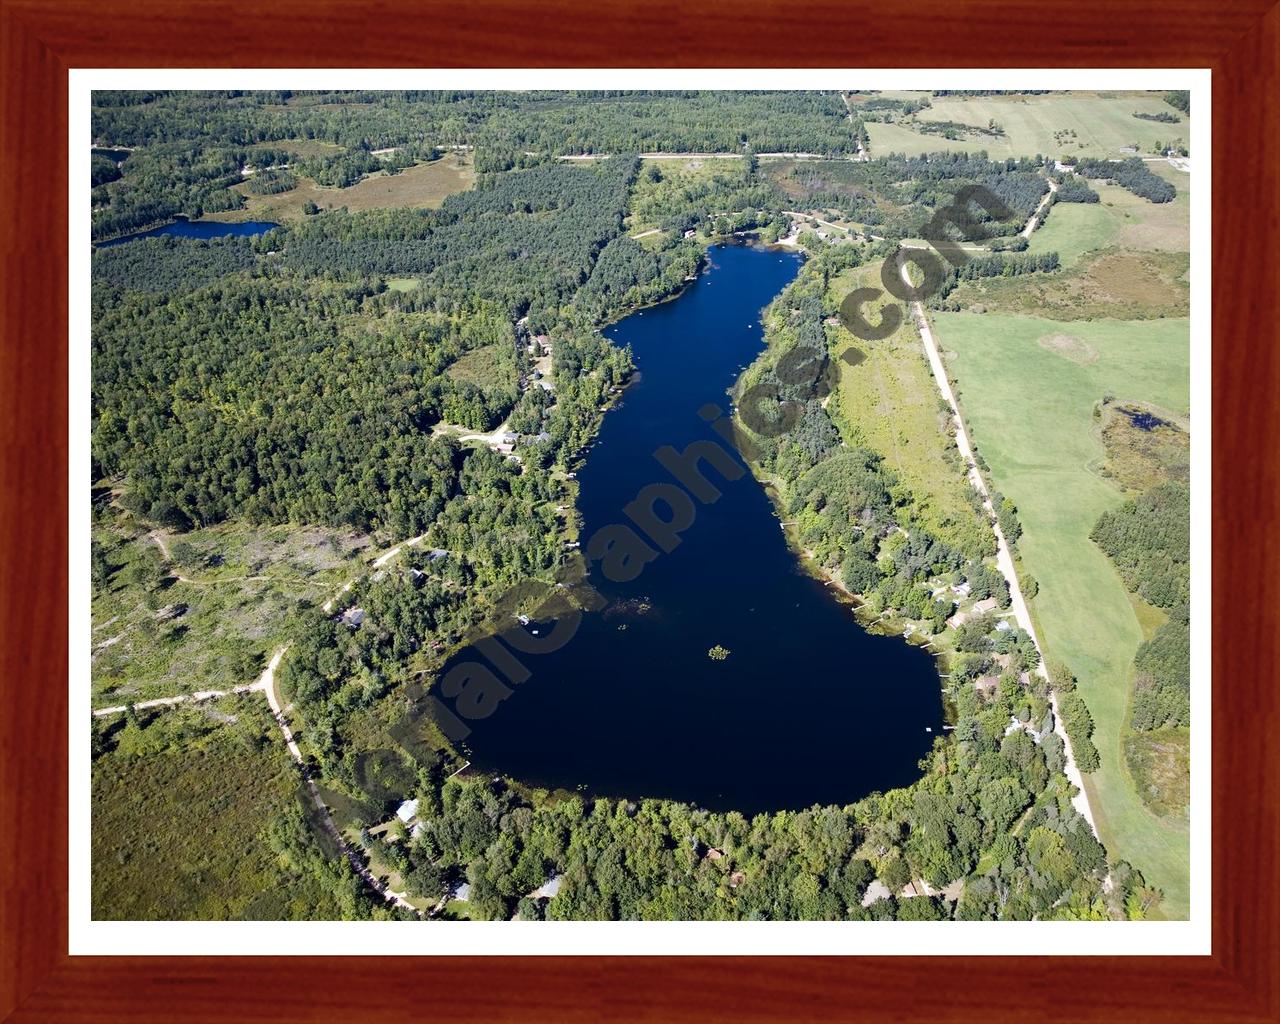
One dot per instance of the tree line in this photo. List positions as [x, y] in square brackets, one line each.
[1132, 174]
[1149, 540]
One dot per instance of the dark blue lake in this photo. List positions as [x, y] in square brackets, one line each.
[198, 229]
[807, 707]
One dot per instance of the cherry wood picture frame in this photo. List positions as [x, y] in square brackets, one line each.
[41, 39]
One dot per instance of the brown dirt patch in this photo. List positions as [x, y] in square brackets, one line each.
[1069, 347]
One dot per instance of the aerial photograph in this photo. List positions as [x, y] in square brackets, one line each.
[640, 505]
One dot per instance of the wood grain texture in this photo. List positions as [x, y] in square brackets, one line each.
[41, 39]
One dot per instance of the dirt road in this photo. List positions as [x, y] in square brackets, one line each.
[267, 684]
[1034, 219]
[1004, 559]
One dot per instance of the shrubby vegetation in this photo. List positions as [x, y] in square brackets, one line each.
[720, 196]
[270, 183]
[877, 108]
[196, 816]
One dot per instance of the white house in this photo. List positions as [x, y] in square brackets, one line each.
[407, 811]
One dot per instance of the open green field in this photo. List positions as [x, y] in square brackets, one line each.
[1103, 125]
[1118, 218]
[422, 185]
[889, 403]
[1029, 406]
[205, 615]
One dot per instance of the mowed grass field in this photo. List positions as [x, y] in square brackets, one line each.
[425, 185]
[1118, 218]
[889, 403]
[1103, 123]
[1029, 408]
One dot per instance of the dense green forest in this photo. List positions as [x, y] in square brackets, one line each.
[167, 265]
[192, 146]
[1072, 189]
[300, 390]
[998, 265]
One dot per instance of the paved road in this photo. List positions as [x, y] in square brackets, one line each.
[1004, 559]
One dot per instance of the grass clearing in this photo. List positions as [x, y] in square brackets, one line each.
[889, 403]
[1031, 414]
[424, 185]
[1150, 618]
[487, 367]
[1118, 218]
[1058, 124]
[240, 585]
[302, 147]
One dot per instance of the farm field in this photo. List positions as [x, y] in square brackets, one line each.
[1119, 218]
[423, 185]
[1103, 124]
[888, 403]
[206, 616]
[1028, 400]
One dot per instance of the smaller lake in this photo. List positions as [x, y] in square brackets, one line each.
[198, 229]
